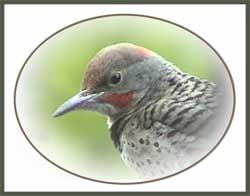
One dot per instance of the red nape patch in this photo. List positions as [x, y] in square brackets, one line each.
[121, 100]
[145, 52]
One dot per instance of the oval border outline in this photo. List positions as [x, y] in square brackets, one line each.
[124, 183]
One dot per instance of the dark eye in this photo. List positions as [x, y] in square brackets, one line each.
[116, 78]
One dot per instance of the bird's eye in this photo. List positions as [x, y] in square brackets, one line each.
[116, 78]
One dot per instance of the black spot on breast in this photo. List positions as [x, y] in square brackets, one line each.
[149, 161]
[156, 144]
[141, 141]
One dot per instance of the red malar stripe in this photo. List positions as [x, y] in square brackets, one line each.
[121, 100]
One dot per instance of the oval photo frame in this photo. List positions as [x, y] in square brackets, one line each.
[115, 15]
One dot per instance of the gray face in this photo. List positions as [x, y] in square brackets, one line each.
[119, 58]
[139, 76]
[117, 78]
[137, 66]
[133, 77]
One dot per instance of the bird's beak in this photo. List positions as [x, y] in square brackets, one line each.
[83, 100]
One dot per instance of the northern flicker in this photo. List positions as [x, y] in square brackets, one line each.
[161, 119]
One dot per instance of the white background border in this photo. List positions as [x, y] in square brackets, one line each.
[223, 26]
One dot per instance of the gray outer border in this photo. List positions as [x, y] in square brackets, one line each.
[172, 193]
[2, 96]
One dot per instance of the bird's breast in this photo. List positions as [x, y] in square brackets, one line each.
[149, 152]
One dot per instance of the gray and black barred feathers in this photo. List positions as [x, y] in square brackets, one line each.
[189, 102]
[184, 103]
[175, 128]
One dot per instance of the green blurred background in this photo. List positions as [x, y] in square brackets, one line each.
[80, 141]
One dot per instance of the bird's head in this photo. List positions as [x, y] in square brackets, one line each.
[117, 78]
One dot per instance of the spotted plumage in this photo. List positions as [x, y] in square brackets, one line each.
[161, 119]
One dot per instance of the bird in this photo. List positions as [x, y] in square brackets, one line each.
[161, 119]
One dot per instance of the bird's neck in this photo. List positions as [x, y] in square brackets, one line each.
[160, 87]
[168, 77]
